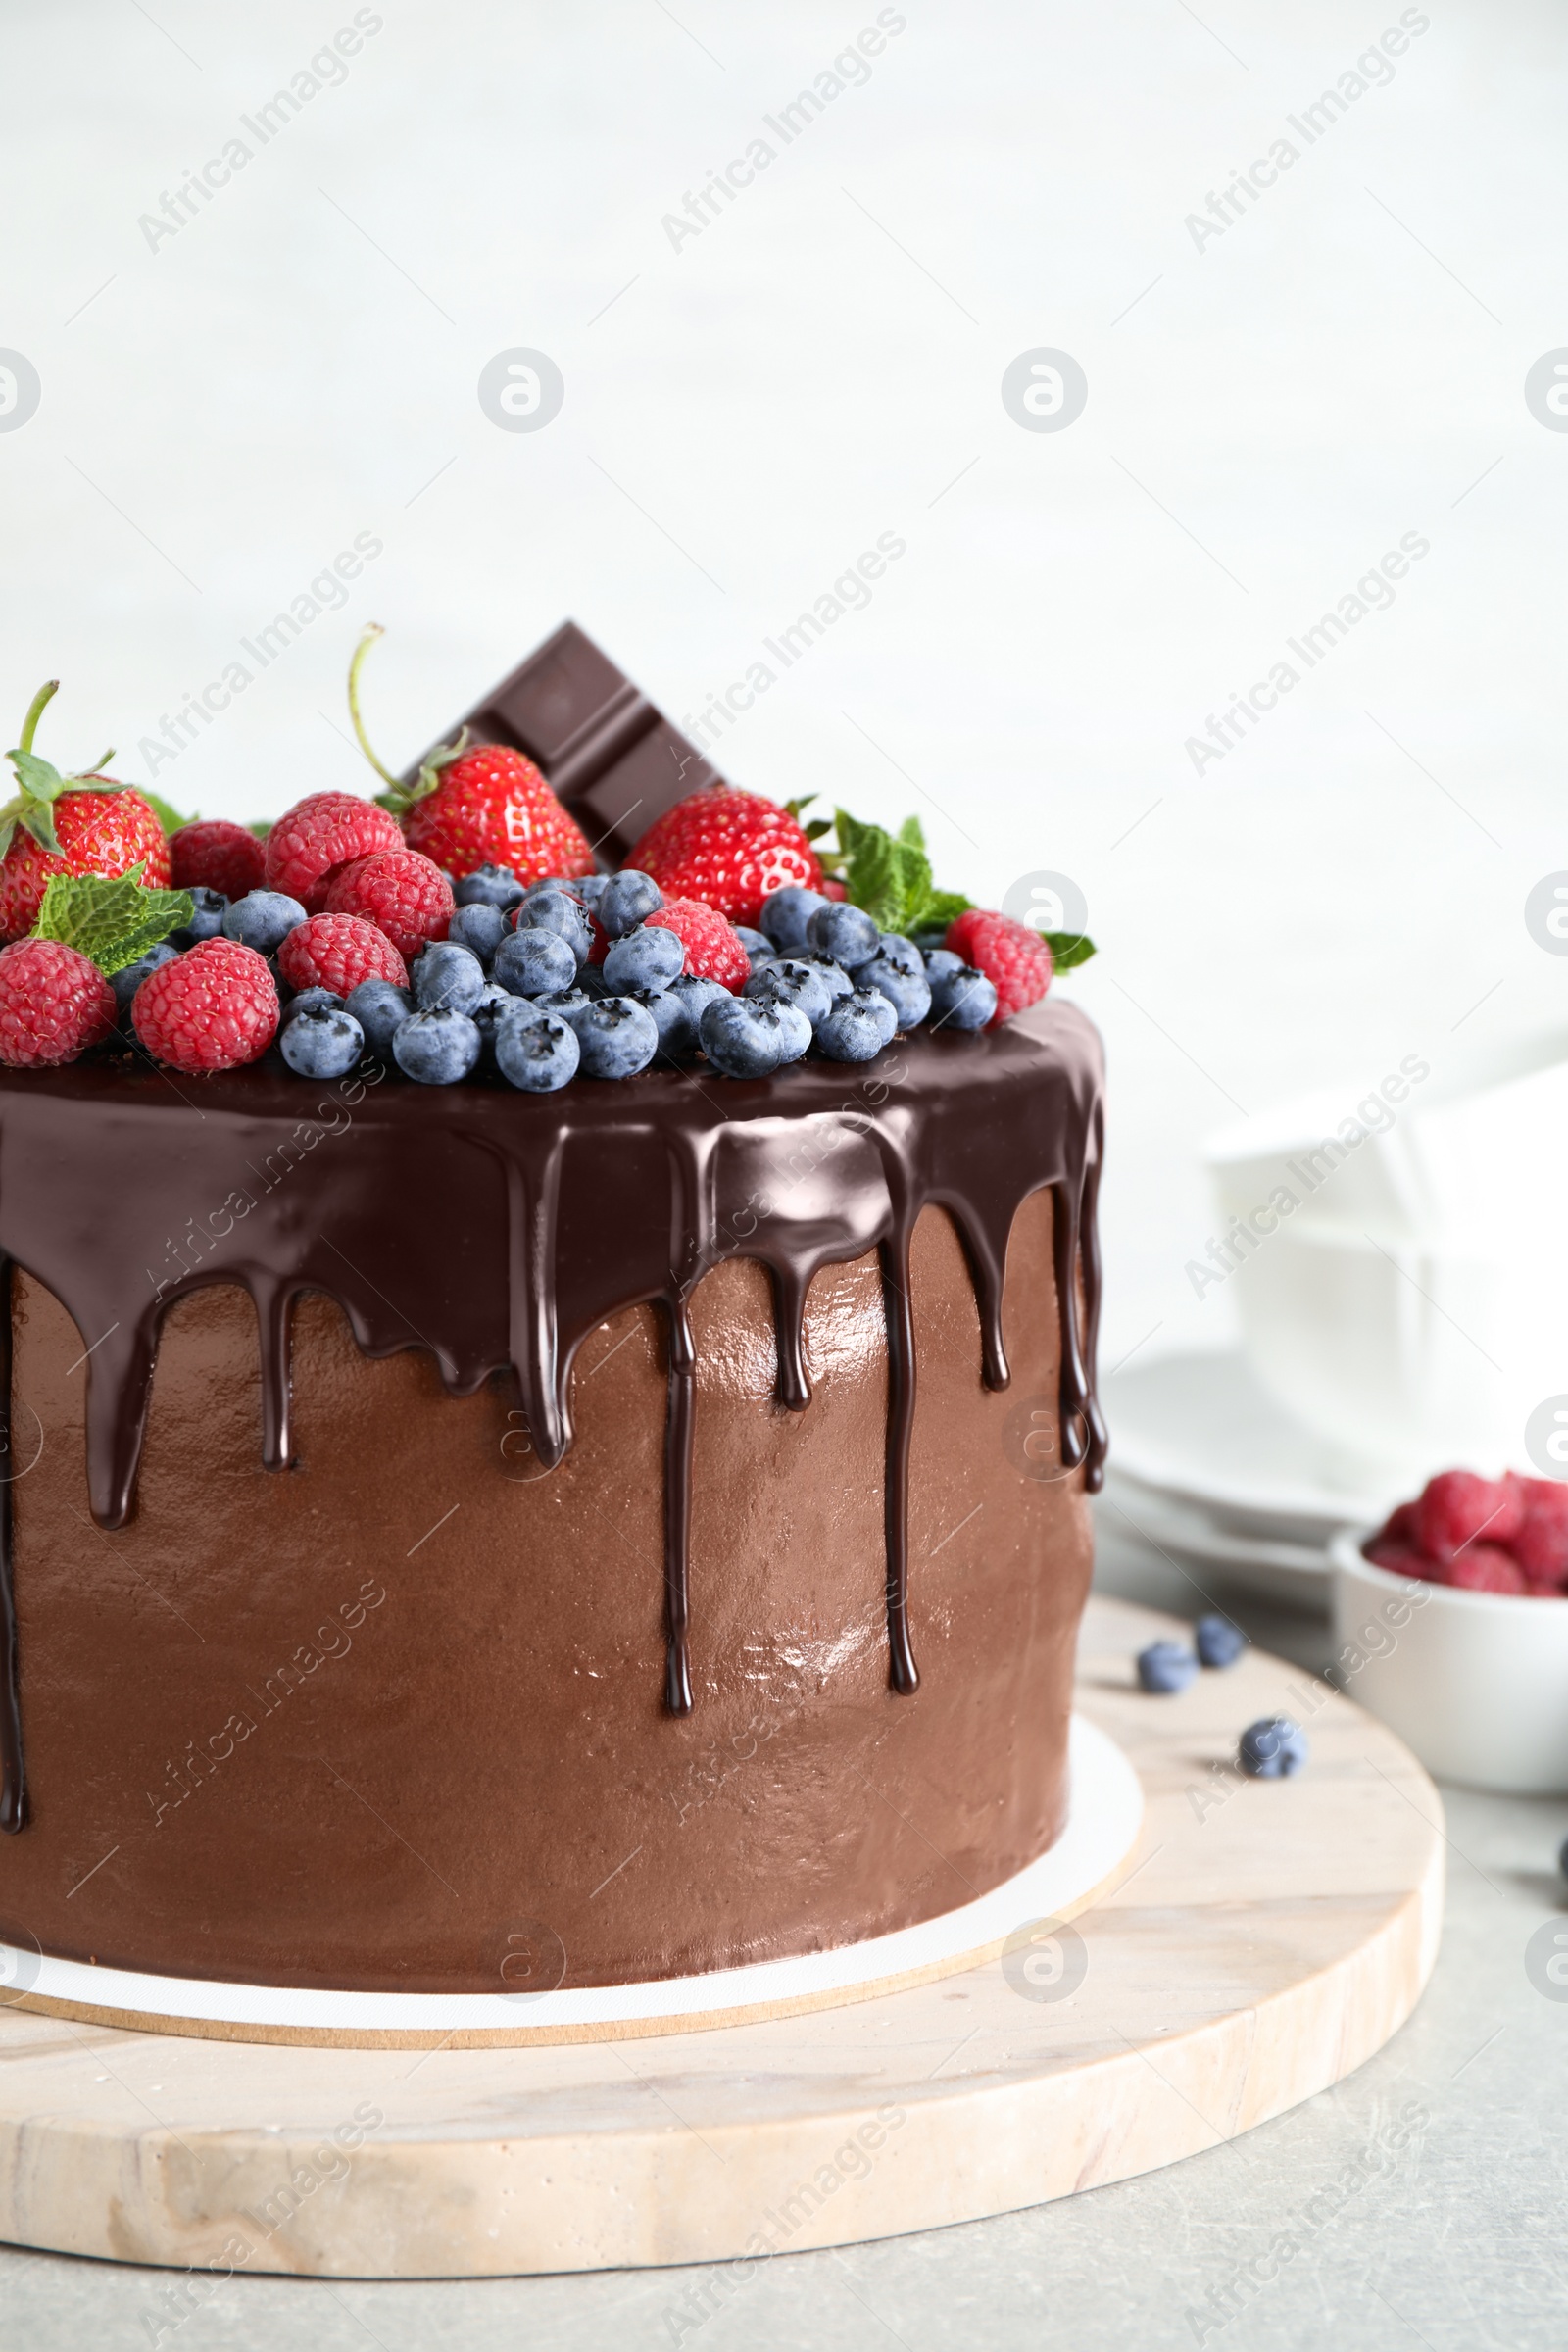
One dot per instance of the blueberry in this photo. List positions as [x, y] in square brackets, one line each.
[627, 900]
[939, 963]
[677, 1031]
[263, 919]
[616, 1038]
[591, 888]
[1219, 1642]
[895, 969]
[858, 1026]
[846, 933]
[447, 976]
[751, 1037]
[479, 927]
[438, 1047]
[309, 999]
[1273, 1748]
[209, 907]
[324, 1042]
[834, 978]
[648, 957]
[532, 962]
[962, 1000]
[536, 1053]
[758, 947]
[381, 1009]
[786, 914]
[488, 886]
[565, 1003]
[547, 909]
[126, 982]
[694, 995]
[789, 981]
[1166, 1666]
[493, 1006]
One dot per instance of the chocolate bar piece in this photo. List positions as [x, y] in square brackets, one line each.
[606, 750]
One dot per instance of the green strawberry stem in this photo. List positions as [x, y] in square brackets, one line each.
[35, 710]
[398, 796]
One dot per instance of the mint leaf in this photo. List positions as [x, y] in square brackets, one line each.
[261, 830]
[110, 920]
[942, 907]
[1068, 948]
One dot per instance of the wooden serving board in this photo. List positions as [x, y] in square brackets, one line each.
[1261, 1942]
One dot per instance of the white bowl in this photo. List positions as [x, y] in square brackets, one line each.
[1475, 1682]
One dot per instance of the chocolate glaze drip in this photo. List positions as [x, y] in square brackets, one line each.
[496, 1231]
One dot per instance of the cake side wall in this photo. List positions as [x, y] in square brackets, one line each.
[391, 1719]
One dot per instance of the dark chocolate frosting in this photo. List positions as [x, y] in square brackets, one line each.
[496, 1230]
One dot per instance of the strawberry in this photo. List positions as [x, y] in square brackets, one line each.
[402, 893]
[484, 806]
[713, 951]
[729, 849]
[53, 1003]
[213, 1009]
[214, 854]
[319, 834]
[84, 825]
[1013, 958]
[339, 952]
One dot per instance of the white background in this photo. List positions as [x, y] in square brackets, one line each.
[822, 364]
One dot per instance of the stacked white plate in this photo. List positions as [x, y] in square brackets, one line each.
[1209, 1469]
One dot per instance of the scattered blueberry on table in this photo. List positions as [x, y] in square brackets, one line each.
[1273, 1748]
[1219, 1641]
[1165, 1667]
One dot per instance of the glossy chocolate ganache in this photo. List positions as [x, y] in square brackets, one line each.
[688, 1270]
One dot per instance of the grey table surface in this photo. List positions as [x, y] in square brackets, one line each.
[1315, 2228]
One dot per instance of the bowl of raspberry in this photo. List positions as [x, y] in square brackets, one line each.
[1452, 1625]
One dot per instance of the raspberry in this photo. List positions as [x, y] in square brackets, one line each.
[1457, 1508]
[713, 950]
[214, 855]
[318, 835]
[1540, 1545]
[213, 1009]
[729, 849]
[339, 952]
[401, 893]
[1485, 1568]
[1013, 958]
[53, 1003]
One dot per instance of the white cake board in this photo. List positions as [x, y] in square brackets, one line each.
[1264, 1939]
[1106, 1809]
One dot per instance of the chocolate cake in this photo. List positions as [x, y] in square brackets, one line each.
[479, 1541]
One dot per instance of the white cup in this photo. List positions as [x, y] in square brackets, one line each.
[1400, 1262]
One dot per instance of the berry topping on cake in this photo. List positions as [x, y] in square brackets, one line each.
[536, 1054]
[751, 1036]
[627, 898]
[339, 952]
[401, 893]
[438, 1047]
[214, 1008]
[961, 998]
[1013, 958]
[483, 806]
[320, 834]
[479, 927]
[84, 825]
[732, 849]
[263, 919]
[615, 1038]
[448, 976]
[856, 1027]
[534, 963]
[54, 1003]
[324, 1042]
[218, 856]
[713, 949]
